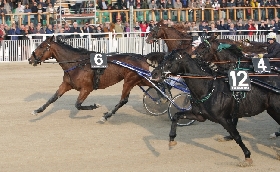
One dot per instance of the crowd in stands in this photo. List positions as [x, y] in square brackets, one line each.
[120, 27]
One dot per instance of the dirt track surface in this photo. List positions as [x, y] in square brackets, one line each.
[65, 139]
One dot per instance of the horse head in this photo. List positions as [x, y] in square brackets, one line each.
[156, 33]
[42, 52]
[170, 64]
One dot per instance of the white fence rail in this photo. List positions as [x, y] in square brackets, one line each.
[21, 50]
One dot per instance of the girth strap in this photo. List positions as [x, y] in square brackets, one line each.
[96, 77]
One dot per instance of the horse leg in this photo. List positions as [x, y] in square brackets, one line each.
[229, 138]
[274, 115]
[181, 115]
[82, 96]
[231, 128]
[119, 105]
[64, 87]
[129, 82]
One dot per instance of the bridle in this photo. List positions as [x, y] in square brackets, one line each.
[156, 30]
[205, 50]
[37, 60]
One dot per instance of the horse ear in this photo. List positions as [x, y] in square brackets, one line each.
[52, 38]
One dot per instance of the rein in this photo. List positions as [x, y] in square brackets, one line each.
[75, 61]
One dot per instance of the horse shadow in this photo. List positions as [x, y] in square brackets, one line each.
[160, 132]
[67, 102]
[254, 141]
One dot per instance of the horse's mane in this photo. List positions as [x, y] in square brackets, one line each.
[79, 50]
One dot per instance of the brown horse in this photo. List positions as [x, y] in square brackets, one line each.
[174, 37]
[78, 74]
[177, 37]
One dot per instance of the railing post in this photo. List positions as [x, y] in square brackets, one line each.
[110, 42]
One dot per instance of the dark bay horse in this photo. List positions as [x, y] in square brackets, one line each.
[173, 37]
[230, 56]
[212, 99]
[78, 74]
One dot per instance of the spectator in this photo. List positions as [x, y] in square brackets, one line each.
[200, 4]
[75, 29]
[138, 5]
[263, 26]
[57, 28]
[49, 29]
[137, 28]
[103, 5]
[38, 30]
[263, 9]
[7, 28]
[109, 27]
[143, 26]
[3, 12]
[118, 29]
[44, 5]
[18, 13]
[78, 7]
[232, 29]
[60, 32]
[183, 11]
[277, 4]
[227, 26]
[67, 30]
[27, 12]
[194, 28]
[222, 25]
[31, 27]
[239, 12]
[126, 29]
[251, 28]
[25, 31]
[169, 4]
[213, 28]
[151, 25]
[177, 5]
[231, 4]
[240, 27]
[162, 6]
[204, 28]
[34, 9]
[153, 6]
[207, 11]
[223, 7]
[192, 5]
[99, 30]
[8, 8]
[40, 13]
[2, 33]
[273, 26]
[254, 4]
[216, 6]
[270, 11]
[145, 4]
[87, 29]
[51, 10]
[248, 10]
[14, 30]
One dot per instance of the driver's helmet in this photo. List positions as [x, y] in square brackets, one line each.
[196, 43]
[271, 36]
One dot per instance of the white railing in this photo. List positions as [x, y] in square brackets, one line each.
[21, 50]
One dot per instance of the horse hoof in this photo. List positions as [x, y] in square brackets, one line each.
[97, 105]
[172, 143]
[272, 136]
[278, 156]
[34, 113]
[224, 139]
[103, 120]
[248, 162]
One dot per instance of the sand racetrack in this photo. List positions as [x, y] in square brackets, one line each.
[65, 139]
